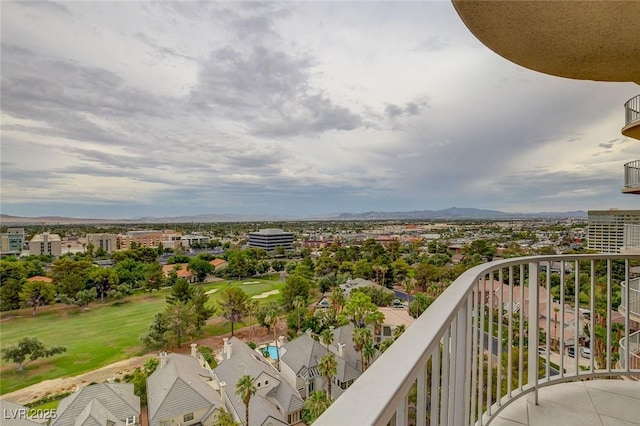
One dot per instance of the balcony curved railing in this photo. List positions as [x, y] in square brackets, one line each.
[634, 351]
[633, 294]
[632, 175]
[632, 110]
[447, 370]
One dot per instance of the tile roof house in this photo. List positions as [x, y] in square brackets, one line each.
[218, 263]
[182, 270]
[181, 391]
[112, 404]
[275, 402]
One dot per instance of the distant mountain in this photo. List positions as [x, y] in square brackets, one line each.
[451, 213]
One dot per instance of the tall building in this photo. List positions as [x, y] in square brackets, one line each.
[12, 241]
[606, 230]
[271, 238]
[106, 242]
[45, 244]
[141, 238]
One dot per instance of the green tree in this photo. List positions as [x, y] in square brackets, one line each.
[181, 291]
[28, 350]
[314, 406]
[295, 286]
[154, 277]
[419, 304]
[361, 338]
[12, 278]
[199, 300]
[201, 267]
[225, 419]
[232, 303]
[70, 276]
[155, 336]
[82, 299]
[180, 322]
[37, 293]
[328, 367]
[359, 310]
[103, 280]
[245, 389]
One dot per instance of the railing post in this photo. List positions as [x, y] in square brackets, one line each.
[460, 366]
[534, 328]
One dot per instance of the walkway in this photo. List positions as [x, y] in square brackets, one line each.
[590, 403]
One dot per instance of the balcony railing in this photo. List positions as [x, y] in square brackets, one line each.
[632, 110]
[632, 293]
[448, 369]
[632, 175]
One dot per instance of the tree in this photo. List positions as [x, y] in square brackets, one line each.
[201, 268]
[408, 285]
[37, 293]
[245, 389]
[272, 318]
[81, 298]
[337, 299]
[328, 367]
[295, 286]
[179, 321]
[155, 336]
[103, 280]
[368, 351]
[154, 277]
[181, 291]
[232, 303]
[420, 303]
[359, 309]
[314, 406]
[251, 306]
[199, 300]
[300, 305]
[70, 276]
[326, 336]
[31, 348]
[225, 419]
[361, 338]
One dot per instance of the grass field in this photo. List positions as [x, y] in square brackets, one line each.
[100, 336]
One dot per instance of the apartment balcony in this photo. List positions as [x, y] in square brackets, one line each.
[632, 118]
[632, 177]
[477, 356]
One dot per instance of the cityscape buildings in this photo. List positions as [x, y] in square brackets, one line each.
[271, 238]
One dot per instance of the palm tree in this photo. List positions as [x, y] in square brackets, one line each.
[251, 306]
[328, 367]
[397, 332]
[408, 285]
[361, 336]
[326, 337]
[298, 303]
[337, 299]
[245, 389]
[368, 351]
[314, 406]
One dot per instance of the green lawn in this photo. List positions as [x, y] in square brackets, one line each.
[100, 336]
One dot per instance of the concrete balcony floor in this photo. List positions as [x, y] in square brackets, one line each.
[595, 402]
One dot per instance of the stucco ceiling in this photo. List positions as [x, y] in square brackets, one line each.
[587, 40]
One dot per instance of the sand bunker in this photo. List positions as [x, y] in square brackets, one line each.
[213, 290]
[265, 294]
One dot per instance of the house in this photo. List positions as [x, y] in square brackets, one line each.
[276, 402]
[299, 364]
[218, 263]
[101, 404]
[181, 391]
[350, 285]
[183, 271]
[40, 278]
[393, 318]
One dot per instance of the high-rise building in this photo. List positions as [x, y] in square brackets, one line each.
[271, 238]
[606, 230]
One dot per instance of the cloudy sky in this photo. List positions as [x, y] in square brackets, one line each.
[129, 109]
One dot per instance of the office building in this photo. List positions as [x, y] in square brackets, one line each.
[269, 239]
[606, 229]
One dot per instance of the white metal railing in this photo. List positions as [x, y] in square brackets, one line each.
[632, 174]
[634, 351]
[446, 370]
[632, 110]
[633, 294]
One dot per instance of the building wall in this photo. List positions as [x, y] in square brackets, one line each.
[108, 242]
[179, 419]
[142, 238]
[605, 232]
[47, 244]
[269, 239]
[11, 242]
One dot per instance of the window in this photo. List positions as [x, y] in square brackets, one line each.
[187, 417]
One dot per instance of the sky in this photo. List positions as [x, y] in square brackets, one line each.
[132, 109]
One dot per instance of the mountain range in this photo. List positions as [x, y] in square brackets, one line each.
[452, 213]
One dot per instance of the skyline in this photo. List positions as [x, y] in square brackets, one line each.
[292, 109]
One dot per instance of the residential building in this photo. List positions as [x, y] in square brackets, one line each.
[181, 391]
[276, 402]
[606, 229]
[355, 283]
[99, 404]
[171, 239]
[12, 241]
[106, 242]
[183, 271]
[269, 239]
[141, 238]
[45, 244]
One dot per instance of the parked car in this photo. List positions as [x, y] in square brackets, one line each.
[571, 351]
[585, 352]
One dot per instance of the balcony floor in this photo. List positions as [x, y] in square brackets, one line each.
[596, 402]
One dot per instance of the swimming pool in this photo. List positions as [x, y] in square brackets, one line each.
[273, 351]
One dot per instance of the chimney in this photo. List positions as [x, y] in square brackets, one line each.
[341, 350]
[226, 351]
[223, 392]
[163, 359]
[194, 350]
